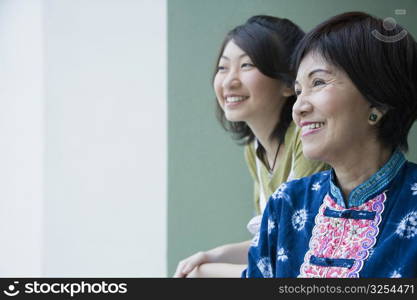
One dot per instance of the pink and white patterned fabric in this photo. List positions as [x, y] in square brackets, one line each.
[342, 238]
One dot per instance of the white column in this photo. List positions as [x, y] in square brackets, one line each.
[83, 125]
[106, 149]
[21, 138]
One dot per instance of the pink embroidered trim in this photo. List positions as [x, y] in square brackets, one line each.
[342, 238]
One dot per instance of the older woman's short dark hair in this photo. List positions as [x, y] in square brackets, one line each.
[380, 60]
[269, 42]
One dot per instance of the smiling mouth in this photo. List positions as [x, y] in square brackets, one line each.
[235, 99]
[311, 128]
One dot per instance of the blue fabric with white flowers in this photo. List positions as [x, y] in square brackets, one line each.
[385, 207]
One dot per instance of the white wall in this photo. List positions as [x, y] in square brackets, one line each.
[104, 140]
[21, 137]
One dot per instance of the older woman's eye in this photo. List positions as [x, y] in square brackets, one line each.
[247, 65]
[318, 82]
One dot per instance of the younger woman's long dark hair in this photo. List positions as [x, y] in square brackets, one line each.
[269, 42]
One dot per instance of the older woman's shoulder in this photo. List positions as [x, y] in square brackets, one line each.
[408, 172]
[411, 166]
[315, 184]
[316, 177]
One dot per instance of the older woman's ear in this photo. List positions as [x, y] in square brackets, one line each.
[375, 115]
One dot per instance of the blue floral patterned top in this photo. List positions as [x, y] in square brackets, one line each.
[307, 230]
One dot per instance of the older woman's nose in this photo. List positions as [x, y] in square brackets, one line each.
[302, 106]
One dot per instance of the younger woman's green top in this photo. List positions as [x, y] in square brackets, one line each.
[292, 165]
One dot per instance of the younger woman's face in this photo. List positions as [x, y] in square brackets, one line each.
[243, 92]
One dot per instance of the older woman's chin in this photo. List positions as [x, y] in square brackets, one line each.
[312, 153]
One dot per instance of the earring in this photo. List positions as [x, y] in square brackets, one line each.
[373, 117]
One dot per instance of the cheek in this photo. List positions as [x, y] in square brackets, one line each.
[267, 87]
[330, 105]
[346, 120]
[267, 95]
[218, 90]
[258, 84]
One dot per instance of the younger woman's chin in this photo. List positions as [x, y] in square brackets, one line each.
[233, 119]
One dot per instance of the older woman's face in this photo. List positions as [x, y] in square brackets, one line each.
[330, 110]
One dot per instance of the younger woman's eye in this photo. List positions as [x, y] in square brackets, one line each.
[297, 92]
[220, 68]
[317, 82]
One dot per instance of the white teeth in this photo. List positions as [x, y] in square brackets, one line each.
[314, 125]
[235, 98]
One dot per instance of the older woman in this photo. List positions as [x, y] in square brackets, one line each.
[357, 99]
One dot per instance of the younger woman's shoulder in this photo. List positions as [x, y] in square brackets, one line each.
[250, 153]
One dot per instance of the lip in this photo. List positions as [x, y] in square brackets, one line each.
[305, 132]
[233, 95]
[233, 104]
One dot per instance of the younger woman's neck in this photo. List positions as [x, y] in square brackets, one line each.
[263, 127]
[262, 131]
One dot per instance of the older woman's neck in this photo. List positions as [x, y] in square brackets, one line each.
[359, 166]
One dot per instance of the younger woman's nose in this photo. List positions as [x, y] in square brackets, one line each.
[232, 80]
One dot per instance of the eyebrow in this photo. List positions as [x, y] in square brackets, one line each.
[315, 71]
[318, 70]
[240, 56]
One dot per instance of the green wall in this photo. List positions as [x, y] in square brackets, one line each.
[209, 186]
